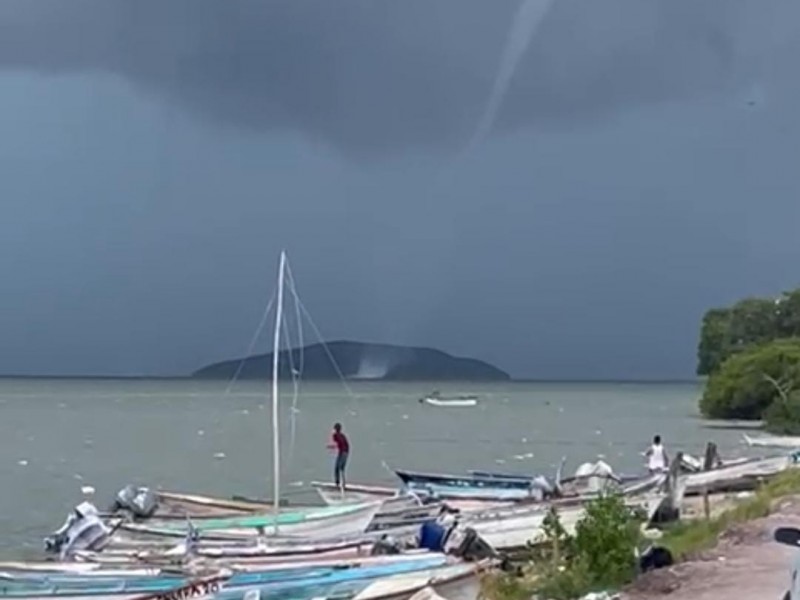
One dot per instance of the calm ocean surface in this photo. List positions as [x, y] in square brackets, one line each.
[57, 435]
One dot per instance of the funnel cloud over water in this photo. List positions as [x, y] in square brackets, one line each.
[158, 154]
[375, 78]
[526, 22]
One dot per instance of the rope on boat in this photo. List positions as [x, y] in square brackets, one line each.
[297, 374]
[251, 347]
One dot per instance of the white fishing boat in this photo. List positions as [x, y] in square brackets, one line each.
[394, 509]
[739, 476]
[321, 522]
[436, 399]
[354, 493]
[508, 528]
[333, 495]
[457, 582]
[454, 403]
[773, 441]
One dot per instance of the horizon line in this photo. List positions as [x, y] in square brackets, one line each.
[654, 380]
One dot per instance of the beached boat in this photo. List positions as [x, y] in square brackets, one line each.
[773, 441]
[395, 509]
[457, 582]
[272, 580]
[515, 527]
[469, 486]
[739, 476]
[320, 522]
[333, 495]
[280, 569]
[488, 486]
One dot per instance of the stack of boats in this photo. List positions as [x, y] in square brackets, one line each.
[367, 542]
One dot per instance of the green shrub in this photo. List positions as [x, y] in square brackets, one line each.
[750, 322]
[741, 389]
[783, 416]
[601, 554]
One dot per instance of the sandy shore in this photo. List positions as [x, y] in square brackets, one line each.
[745, 565]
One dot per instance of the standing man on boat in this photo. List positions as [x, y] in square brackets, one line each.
[342, 446]
[657, 459]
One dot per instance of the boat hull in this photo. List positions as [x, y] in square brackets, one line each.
[465, 403]
[784, 441]
[365, 493]
[737, 477]
[326, 522]
[277, 579]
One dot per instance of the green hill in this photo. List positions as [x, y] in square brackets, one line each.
[359, 360]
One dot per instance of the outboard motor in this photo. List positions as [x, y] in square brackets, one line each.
[466, 543]
[596, 475]
[140, 502]
[83, 530]
[386, 545]
[542, 488]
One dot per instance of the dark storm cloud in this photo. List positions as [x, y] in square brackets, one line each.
[381, 75]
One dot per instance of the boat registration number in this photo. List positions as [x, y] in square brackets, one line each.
[194, 590]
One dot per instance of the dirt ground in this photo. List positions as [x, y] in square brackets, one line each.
[745, 565]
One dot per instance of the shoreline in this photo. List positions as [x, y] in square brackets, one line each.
[745, 564]
[731, 554]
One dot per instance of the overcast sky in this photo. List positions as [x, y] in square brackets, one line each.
[155, 156]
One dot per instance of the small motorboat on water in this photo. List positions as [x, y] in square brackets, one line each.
[436, 399]
[790, 442]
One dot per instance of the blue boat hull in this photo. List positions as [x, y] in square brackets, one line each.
[469, 486]
[271, 581]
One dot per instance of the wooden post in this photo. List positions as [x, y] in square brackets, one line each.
[672, 484]
[708, 464]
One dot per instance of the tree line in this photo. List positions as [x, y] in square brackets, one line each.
[751, 354]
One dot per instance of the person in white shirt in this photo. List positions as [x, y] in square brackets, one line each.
[657, 459]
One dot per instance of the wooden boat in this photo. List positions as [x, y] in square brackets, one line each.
[739, 476]
[92, 571]
[457, 581]
[470, 487]
[508, 487]
[394, 511]
[773, 441]
[321, 522]
[567, 480]
[273, 580]
[332, 495]
[515, 527]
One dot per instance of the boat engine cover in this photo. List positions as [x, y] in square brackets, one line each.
[467, 543]
[82, 530]
[386, 545]
[141, 502]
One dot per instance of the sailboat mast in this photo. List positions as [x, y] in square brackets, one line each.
[276, 448]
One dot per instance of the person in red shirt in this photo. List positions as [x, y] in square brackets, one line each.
[342, 447]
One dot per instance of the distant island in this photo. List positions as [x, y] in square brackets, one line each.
[360, 361]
